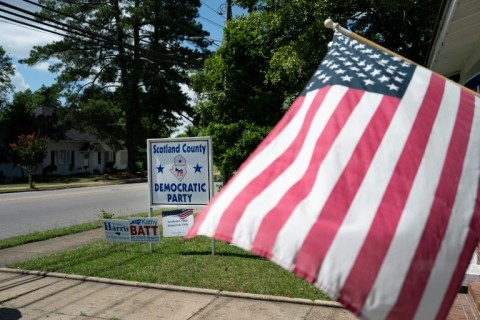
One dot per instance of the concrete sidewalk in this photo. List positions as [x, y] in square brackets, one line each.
[36, 295]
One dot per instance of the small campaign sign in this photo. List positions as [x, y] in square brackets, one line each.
[116, 230]
[144, 230]
[180, 172]
[132, 230]
[176, 223]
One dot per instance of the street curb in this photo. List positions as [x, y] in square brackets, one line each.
[218, 293]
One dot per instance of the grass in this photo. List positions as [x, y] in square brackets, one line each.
[182, 262]
[58, 232]
[48, 234]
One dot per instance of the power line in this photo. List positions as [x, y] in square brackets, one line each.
[212, 22]
[81, 33]
[208, 6]
[95, 25]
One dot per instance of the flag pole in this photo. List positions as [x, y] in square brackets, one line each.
[329, 24]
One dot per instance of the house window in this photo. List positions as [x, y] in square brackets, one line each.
[62, 157]
[123, 157]
[72, 159]
[99, 159]
[53, 156]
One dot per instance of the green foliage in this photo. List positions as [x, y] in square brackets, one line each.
[30, 150]
[106, 215]
[6, 72]
[269, 55]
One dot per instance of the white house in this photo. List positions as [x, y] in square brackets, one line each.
[77, 152]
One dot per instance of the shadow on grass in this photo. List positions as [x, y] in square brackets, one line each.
[224, 254]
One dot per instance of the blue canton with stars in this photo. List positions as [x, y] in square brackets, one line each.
[356, 65]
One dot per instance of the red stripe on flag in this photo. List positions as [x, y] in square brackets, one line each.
[463, 261]
[370, 258]
[310, 256]
[436, 225]
[277, 216]
[233, 213]
[291, 113]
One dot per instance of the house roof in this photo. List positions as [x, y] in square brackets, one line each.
[456, 46]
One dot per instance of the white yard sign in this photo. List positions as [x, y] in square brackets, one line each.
[180, 172]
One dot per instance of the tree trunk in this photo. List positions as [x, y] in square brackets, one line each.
[30, 178]
[129, 79]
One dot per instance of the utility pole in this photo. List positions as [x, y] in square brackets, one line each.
[229, 10]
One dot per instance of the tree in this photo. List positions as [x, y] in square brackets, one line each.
[268, 56]
[6, 71]
[140, 49]
[30, 150]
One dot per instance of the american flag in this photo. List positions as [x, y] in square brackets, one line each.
[367, 187]
[185, 213]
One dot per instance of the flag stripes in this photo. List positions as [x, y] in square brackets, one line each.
[185, 213]
[372, 197]
[425, 255]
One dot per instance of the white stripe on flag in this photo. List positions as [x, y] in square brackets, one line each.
[420, 199]
[298, 225]
[256, 166]
[250, 221]
[357, 222]
[458, 226]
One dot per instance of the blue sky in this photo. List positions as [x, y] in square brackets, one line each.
[18, 41]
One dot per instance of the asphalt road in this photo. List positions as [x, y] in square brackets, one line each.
[24, 212]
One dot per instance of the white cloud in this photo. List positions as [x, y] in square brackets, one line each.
[192, 96]
[42, 66]
[18, 41]
[19, 82]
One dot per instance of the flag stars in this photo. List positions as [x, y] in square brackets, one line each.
[368, 82]
[393, 87]
[358, 66]
[383, 79]
[383, 62]
[334, 66]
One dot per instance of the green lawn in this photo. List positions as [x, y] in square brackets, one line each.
[182, 262]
